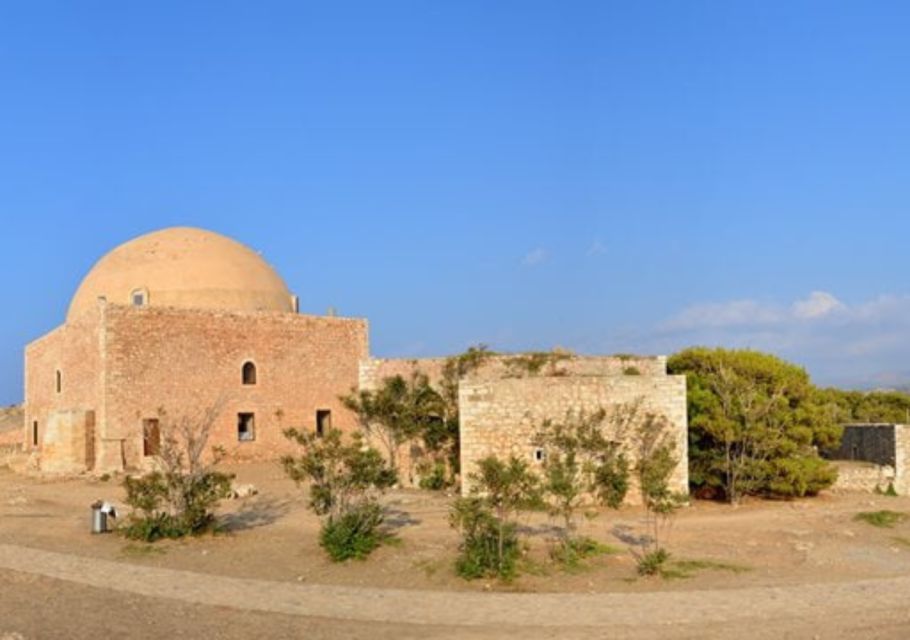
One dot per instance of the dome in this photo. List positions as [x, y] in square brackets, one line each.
[185, 268]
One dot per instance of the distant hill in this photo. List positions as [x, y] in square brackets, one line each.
[10, 418]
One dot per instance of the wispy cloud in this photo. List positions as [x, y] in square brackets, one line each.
[860, 344]
[535, 257]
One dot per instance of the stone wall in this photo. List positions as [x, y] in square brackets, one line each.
[902, 459]
[183, 361]
[861, 476]
[500, 417]
[867, 442]
[75, 350]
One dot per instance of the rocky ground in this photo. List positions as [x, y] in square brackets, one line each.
[753, 550]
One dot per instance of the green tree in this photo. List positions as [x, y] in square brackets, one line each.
[399, 411]
[345, 480]
[755, 424]
[486, 518]
[657, 460]
[584, 461]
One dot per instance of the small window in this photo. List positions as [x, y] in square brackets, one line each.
[323, 421]
[540, 455]
[249, 373]
[59, 381]
[35, 433]
[246, 427]
[151, 437]
[139, 298]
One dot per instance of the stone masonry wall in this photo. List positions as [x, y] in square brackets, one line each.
[500, 417]
[74, 349]
[902, 459]
[184, 361]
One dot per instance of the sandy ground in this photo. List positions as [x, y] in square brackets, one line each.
[272, 537]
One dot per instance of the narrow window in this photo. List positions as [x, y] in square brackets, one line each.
[249, 373]
[35, 433]
[138, 298]
[151, 437]
[323, 421]
[540, 455]
[246, 427]
[59, 381]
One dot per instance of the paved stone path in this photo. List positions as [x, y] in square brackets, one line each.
[462, 609]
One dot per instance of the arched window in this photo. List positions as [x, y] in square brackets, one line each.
[249, 373]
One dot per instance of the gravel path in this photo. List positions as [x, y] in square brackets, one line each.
[667, 610]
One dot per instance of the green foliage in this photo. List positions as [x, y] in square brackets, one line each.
[657, 460]
[651, 563]
[433, 476]
[687, 568]
[173, 505]
[354, 534]
[489, 547]
[537, 363]
[572, 551]
[485, 520]
[883, 519]
[631, 371]
[400, 411]
[345, 481]
[756, 424]
[178, 499]
[866, 407]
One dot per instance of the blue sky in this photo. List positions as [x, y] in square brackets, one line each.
[600, 176]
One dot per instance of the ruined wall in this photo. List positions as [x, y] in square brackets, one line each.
[74, 349]
[902, 459]
[500, 417]
[182, 361]
[861, 476]
[374, 370]
[68, 442]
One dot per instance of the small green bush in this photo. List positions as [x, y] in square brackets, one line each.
[884, 519]
[353, 534]
[483, 534]
[572, 551]
[434, 478]
[173, 504]
[652, 564]
[631, 371]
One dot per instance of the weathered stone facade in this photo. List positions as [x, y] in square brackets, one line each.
[501, 417]
[882, 456]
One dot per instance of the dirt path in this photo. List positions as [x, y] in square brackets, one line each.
[882, 600]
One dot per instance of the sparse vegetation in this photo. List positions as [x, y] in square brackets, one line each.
[656, 462]
[631, 371]
[582, 464]
[490, 545]
[345, 481]
[884, 518]
[180, 497]
[537, 363]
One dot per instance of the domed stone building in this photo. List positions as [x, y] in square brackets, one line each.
[176, 321]
[182, 320]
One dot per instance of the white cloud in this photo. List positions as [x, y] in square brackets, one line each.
[818, 305]
[535, 257]
[855, 345]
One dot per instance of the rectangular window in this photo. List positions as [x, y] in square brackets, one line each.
[151, 437]
[35, 433]
[246, 427]
[323, 421]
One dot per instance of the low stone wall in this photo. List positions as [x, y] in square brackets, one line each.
[862, 477]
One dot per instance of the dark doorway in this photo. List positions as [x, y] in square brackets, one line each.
[323, 421]
[151, 437]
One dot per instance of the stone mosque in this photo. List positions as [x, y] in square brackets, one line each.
[182, 319]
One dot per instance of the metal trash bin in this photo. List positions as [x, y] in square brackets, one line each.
[99, 518]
